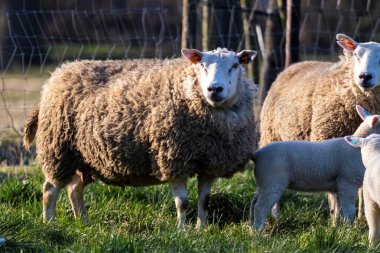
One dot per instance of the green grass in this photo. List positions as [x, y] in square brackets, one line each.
[143, 220]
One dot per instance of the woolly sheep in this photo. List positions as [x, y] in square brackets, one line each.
[144, 122]
[329, 166]
[314, 100]
[370, 150]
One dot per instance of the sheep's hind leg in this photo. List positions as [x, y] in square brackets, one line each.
[204, 189]
[179, 190]
[263, 203]
[75, 192]
[50, 194]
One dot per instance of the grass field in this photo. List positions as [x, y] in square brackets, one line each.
[143, 220]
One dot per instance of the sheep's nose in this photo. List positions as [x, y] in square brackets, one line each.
[365, 76]
[215, 89]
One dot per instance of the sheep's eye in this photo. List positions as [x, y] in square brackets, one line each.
[235, 66]
[204, 67]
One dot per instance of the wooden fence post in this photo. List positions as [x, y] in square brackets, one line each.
[292, 32]
[185, 23]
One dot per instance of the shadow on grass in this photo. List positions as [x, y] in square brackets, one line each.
[13, 246]
[223, 209]
[39, 237]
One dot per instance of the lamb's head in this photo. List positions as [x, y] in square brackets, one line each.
[367, 61]
[370, 146]
[220, 73]
[370, 123]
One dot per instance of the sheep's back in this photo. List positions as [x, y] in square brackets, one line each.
[287, 109]
[82, 109]
[314, 101]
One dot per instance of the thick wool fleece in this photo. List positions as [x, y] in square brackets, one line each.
[314, 101]
[139, 122]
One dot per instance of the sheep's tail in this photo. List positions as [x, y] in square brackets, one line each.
[30, 127]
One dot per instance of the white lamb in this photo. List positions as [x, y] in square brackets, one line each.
[325, 166]
[370, 150]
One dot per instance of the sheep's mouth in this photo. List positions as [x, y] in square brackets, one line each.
[215, 102]
[366, 86]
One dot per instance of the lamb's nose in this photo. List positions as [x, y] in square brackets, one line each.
[365, 76]
[215, 89]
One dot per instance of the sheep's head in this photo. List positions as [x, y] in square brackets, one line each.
[370, 146]
[369, 119]
[367, 61]
[219, 73]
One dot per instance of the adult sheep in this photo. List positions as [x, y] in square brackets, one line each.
[316, 100]
[144, 122]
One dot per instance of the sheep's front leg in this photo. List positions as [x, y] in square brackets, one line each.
[50, 194]
[361, 203]
[204, 189]
[346, 198]
[180, 194]
[75, 192]
[372, 214]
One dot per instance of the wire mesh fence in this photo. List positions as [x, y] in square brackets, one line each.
[37, 36]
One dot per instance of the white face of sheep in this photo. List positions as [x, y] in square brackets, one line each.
[219, 73]
[371, 143]
[367, 61]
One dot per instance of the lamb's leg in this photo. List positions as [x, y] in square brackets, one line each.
[264, 201]
[204, 189]
[50, 194]
[334, 209]
[347, 195]
[361, 203]
[275, 211]
[372, 214]
[180, 194]
[75, 192]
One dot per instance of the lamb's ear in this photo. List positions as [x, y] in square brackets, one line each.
[363, 113]
[374, 121]
[354, 141]
[246, 56]
[346, 42]
[192, 55]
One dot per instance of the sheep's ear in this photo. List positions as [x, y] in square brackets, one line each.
[363, 113]
[374, 121]
[354, 141]
[346, 42]
[192, 55]
[246, 56]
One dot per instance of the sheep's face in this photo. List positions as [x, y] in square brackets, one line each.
[367, 61]
[219, 73]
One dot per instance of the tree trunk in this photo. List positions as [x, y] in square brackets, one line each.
[292, 31]
[185, 23]
[247, 34]
[273, 55]
[205, 26]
